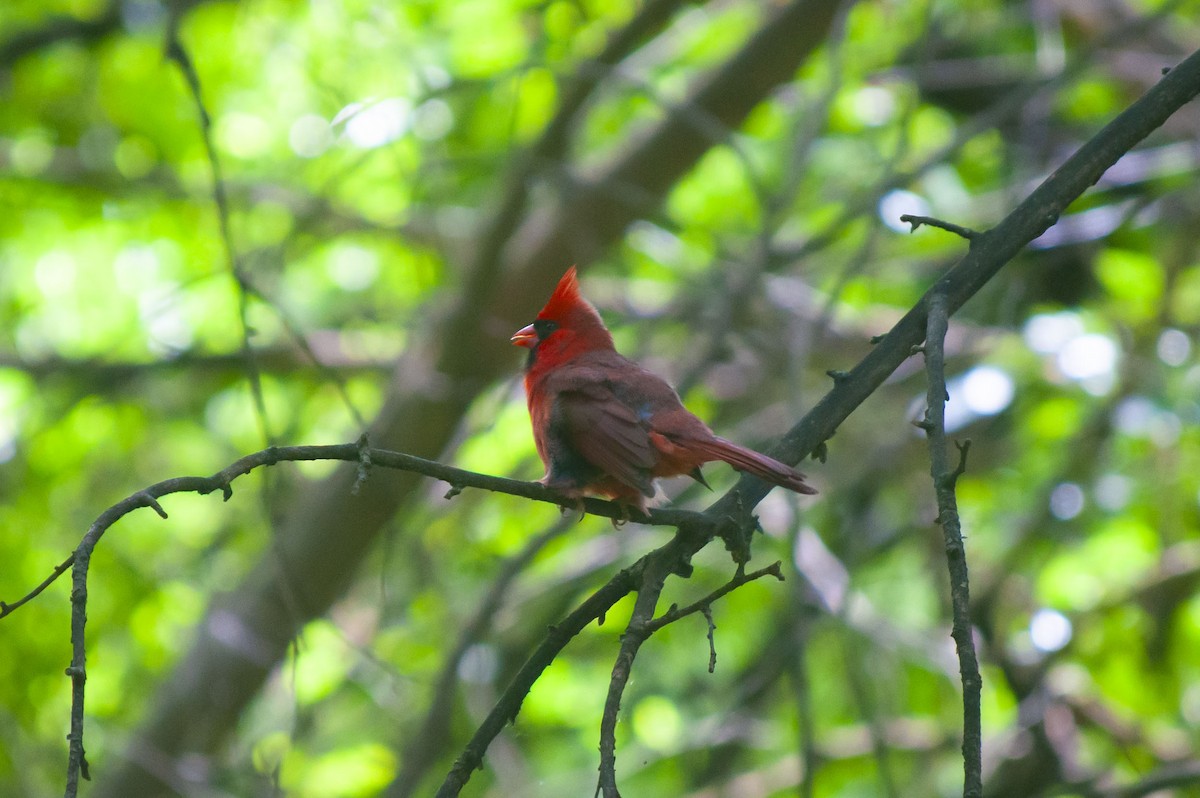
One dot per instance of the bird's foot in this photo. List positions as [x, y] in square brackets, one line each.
[569, 497]
[629, 511]
[573, 504]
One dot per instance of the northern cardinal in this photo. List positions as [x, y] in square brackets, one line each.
[603, 424]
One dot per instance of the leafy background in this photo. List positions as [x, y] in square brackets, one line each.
[366, 149]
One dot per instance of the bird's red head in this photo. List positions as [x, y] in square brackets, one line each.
[567, 326]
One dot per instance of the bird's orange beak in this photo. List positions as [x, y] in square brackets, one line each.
[526, 337]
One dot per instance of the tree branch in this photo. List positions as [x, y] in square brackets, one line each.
[641, 625]
[949, 227]
[223, 481]
[944, 479]
[741, 578]
[457, 478]
[418, 417]
[326, 535]
[175, 51]
[421, 752]
[653, 579]
[1175, 775]
[63, 28]
[991, 252]
[510, 701]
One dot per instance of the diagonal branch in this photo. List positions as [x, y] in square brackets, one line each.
[989, 253]
[509, 705]
[423, 748]
[741, 578]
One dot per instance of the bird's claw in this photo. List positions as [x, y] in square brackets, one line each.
[572, 503]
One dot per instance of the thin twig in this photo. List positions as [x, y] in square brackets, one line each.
[59, 570]
[641, 625]
[944, 479]
[176, 52]
[950, 227]
[675, 613]
[246, 287]
[1007, 108]
[706, 611]
[653, 578]
[807, 739]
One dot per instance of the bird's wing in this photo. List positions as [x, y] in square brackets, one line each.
[607, 433]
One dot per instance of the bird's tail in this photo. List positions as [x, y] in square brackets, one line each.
[765, 468]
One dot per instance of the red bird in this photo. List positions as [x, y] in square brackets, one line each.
[604, 424]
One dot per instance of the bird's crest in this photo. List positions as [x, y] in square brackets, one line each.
[565, 299]
[576, 317]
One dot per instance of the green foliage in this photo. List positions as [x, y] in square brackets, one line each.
[364, 148]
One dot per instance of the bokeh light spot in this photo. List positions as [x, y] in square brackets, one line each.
[1173, 347]
[987, 390]
[1049, 630]
[1047, 333]
[378, 124]
[309, 136]
[1066, 501]
[895, 204]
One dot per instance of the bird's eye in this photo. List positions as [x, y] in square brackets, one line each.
[544, 327]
